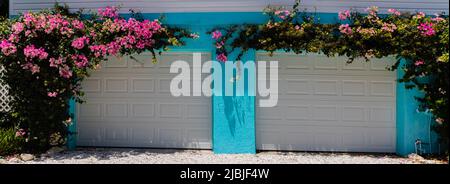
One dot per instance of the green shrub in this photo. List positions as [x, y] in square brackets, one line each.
[9, 143]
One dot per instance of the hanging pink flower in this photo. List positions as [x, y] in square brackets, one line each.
[394, 12]
[420, 15]
[109, 11]
[98, 50]
[30, 51]
[219, 44]
[389, 27]
[17, 27]
[216, 34]
[78, 43]
[80, 60]
[222, 57]
[52, 94]
[282, 14]
[426, 29]
[78, 24]
[20, 133]
[343, 15]
[56, 62]
[7, 47]
[28, 18]
[345, 29]
[419, 62]
[65, 72]
[13, 38]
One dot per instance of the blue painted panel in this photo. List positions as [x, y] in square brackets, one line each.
[412, 124]
[234, 116]
[72, 138]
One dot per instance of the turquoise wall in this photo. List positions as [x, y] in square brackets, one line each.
[233, 119]
[411, 123]
[72, 138]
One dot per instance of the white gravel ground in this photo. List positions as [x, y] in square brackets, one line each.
[171, 156]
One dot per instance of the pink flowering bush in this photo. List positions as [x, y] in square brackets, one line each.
[48, 54]
[420, 39]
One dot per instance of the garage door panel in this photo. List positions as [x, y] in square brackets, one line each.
[325, 104]
[311, 138]
[318, 64]
[129, 104]
[140, 134]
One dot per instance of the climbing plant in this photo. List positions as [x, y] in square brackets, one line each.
[420, 40]
[47, 55]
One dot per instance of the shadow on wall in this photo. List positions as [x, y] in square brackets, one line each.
[235, 114]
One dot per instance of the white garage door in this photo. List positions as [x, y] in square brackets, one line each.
[328, 105]
[129, 105]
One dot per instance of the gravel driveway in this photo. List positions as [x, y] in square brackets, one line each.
[172, 156]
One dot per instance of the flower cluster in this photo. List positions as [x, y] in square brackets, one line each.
[30, 52]
[426, 29]
[7, 47]
[79, 43]
[54, 52]
[343, 15]
[221, 55]
[282, 14]
[394, 12]
[345, 29]
[109, 12]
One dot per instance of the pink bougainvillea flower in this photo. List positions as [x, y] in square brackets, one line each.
[389, 27]
[216, 34]
[56, 62]
[30, 51]
[28, 18]
[109, 11]
[78, 43]
[52, 94]
[98, 50]
[78, 24]
[13, 38]
[373, 10]
[65, 72]
[426, 29]
[343, 15]
[35, 69]
[219, 44]
[282, 14]
[437, 18]
[80, 60]
[419, 62]
[366, 31]
[222, 57]
[345, 29]
[20, 133]
[32, 67]
[419, 15]
[394, 12]
[18, 27]
[7, 47]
